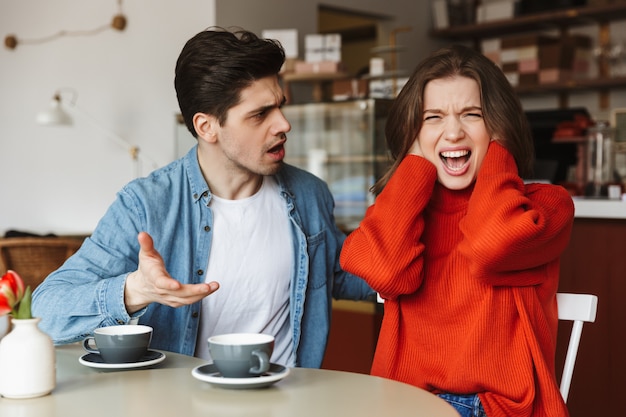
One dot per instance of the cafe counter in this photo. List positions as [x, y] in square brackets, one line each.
[599, 209]
[595, 262]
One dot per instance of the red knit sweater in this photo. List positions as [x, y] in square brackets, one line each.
[469, 280]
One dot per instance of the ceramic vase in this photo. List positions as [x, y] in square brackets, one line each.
[4, 325]
[27, 361]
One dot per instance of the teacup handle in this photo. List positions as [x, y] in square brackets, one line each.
[87, 345]
[264, 362]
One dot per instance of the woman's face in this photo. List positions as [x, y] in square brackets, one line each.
[453, 135]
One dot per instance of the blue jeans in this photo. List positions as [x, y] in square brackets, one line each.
[465, 405]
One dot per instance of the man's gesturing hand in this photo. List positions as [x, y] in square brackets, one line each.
[151, 283]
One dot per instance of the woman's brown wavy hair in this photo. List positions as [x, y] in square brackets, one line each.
[502, 111]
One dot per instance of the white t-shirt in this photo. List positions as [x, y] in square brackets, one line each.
[252, 259]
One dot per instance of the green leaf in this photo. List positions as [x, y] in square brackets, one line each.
[23, 311]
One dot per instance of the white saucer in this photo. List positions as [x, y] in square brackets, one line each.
[210, 374]
[94, 360]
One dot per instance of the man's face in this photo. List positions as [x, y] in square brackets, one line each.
[253, 137]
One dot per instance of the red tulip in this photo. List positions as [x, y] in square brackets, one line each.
[4, 305]
[11, 291]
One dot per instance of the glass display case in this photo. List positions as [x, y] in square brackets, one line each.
[343, 143]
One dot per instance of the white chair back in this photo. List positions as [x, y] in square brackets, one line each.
[578, 308]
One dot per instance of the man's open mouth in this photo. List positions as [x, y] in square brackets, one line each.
[276, 148]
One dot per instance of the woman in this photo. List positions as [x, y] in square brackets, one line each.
[464, 253]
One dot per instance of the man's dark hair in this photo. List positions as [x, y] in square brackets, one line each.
[216, 64]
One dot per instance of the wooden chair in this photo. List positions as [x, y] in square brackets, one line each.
[34, 258]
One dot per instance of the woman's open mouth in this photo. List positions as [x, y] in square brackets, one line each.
[455, 161]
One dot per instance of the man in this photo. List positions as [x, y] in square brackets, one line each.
[230, 211]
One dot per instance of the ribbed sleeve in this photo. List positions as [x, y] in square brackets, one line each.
[392, 244]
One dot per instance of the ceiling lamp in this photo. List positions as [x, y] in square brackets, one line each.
[56, 115]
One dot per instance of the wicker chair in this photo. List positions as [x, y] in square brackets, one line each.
[35, 257]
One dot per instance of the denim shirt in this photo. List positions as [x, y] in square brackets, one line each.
[172, 205]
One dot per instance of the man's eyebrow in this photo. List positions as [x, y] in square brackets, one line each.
[265, 108]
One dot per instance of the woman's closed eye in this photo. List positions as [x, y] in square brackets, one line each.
[431, 116]
[472, 111]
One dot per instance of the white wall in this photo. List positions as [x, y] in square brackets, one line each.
[62, 179]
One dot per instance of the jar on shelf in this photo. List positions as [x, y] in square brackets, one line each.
[600, 159]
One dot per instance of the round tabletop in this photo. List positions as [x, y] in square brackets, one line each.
[169, 389]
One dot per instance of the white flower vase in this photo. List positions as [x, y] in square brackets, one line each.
[4, 325]
[27, 361]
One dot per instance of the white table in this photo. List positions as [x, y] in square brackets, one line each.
[168, 389]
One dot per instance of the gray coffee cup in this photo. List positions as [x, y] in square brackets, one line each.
[120, 344]
[241, 355]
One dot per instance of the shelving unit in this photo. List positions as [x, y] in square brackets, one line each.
[560, 20]
[321, 83]
[577, 85]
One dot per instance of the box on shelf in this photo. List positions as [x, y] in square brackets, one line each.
[318, 47]
[529, 79]
[540, 59]
[569, 59]
[541, 6]
[495, 10]
[441, 19]
[383, 88]
[288, 38]
[518, 56]
[289, 66]
[377, 66]
[526, 46]
[332, 47]
[492, 49]
[313, 48]
[461, 12]
[320, 67]
[350, 89]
